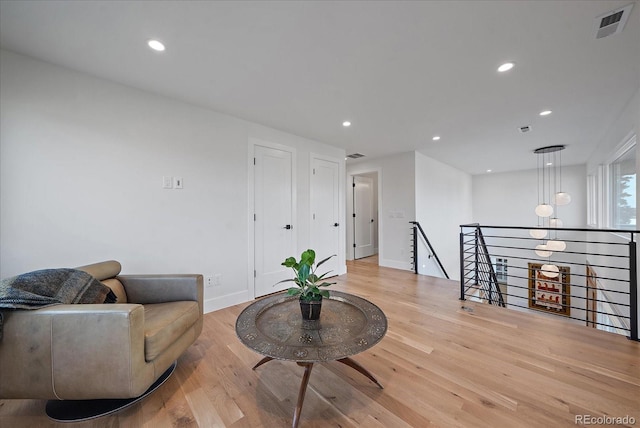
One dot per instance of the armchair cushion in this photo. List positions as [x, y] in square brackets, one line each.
[164, 323]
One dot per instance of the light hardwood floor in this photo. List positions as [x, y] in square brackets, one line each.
[442, 363]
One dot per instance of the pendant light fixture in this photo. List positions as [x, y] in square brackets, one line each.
[550, 193]
[550, 271]
[550, 196]
[538, 233]
[555, 222]
[560, 197]
[543, 209]
[542, 250]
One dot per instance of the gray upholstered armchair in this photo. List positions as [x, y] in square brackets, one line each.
[101, 351]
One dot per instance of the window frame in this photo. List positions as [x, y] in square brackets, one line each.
[594, 196]
[609, 192]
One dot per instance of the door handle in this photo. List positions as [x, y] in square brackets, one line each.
[288, 226]
[336, 224]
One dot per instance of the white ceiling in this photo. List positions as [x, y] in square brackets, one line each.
[401, 72]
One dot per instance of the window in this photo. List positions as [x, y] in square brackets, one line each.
[592, 200]
[622, 188]
[501, 270]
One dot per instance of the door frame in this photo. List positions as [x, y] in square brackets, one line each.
[364, 194]
[349, 212]
[341, 206]
[251, 257]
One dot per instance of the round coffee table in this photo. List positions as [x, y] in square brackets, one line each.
[348, 325]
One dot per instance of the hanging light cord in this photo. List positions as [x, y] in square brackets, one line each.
[538, 182]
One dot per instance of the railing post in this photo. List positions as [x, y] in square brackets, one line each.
[461, 263]
[415, 249]
[475, 251]
[491, 291]
[633, 290]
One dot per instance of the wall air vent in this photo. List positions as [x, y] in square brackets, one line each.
[355, 155]
[612, 22]
[524, 129]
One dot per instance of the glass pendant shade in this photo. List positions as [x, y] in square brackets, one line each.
[562, 198]
[550, 271]
[555, 222]
[544, 210]
[538, 233]
[556, 245]
[542, 250]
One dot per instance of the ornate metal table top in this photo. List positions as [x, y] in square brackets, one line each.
[348, 325]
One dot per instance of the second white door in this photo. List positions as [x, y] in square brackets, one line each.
[325, 209]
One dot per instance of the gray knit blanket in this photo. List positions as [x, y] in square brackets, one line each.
[48, 287]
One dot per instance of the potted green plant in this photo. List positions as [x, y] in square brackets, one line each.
[308, 283]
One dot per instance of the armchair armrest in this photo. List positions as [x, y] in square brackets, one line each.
[145, 289]
[74, 352]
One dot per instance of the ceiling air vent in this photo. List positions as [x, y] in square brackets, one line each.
[524, 129]
[355, 156]
[612, 22]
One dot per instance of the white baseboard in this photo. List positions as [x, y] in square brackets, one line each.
[225, 301]
[396, 264]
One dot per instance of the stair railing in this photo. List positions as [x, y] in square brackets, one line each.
[607, 256]
[484, 279]
[416, 228]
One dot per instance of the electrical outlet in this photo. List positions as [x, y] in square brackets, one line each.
[167, 182]
[209, 281]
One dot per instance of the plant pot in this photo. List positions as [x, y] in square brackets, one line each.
[311, 309]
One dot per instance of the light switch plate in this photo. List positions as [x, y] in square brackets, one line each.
[177, 182]
[167, 182]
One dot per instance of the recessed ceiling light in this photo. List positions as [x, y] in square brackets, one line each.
[436, 138]
[346, 124]
[545, 113]
[156, 45]
[549, 163]
[505, 67]
[489, 170]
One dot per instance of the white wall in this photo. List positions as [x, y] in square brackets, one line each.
[81, 163]
[443, 203]
[396, 195]
[509, 199]
[627, 123]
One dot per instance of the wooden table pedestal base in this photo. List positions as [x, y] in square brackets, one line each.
[305, 381]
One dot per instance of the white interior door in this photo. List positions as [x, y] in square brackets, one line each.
[363, 221]
[325, 209]
[274, 229]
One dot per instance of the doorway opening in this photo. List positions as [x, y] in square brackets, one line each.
[364, 219]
